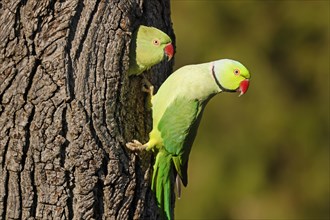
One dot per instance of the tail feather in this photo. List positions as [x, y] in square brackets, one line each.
[161, 183]
[178, 186]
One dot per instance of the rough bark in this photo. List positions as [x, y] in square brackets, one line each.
[67, 108]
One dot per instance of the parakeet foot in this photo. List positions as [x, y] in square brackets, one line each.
[147, 86]
[135, 145]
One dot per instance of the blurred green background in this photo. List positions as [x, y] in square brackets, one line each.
[264, 155]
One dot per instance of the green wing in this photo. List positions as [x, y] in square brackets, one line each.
[178, 127]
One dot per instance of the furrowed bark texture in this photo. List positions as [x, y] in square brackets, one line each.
[67, 108]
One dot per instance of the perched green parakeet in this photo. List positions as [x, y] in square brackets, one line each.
[176, 111]
[149, 46]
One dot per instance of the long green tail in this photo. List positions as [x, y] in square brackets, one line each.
[161, 183]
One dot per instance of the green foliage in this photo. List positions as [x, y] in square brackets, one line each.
[264, 155]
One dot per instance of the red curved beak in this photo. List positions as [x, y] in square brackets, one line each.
[243, 87]
[169, 51]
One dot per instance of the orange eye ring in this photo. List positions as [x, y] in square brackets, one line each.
[237, 72]
[156, 42]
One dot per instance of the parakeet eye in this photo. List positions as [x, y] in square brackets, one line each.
[237, 72]
[156, 42]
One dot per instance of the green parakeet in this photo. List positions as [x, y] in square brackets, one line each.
[149, 46]
[176, 112]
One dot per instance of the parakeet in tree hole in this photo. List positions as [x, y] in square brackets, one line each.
[149, 46]
[176, 112]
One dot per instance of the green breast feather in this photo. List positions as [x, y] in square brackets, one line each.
[178, 127]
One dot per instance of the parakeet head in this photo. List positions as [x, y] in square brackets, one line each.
[231, 76]
[153, 45]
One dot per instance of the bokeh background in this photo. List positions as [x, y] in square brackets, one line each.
[264, 155]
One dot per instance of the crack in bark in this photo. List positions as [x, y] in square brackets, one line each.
[70, 187]
[27, 129]
[20, 195]
[84, 36]
[30, 78]
[64, 133]
[99, 197]
[5, 198]
[6, 146]
[70, 78]
[52, 7]
[17, 24]
[70, 81]
[34, 205]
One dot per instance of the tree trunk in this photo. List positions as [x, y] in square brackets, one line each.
[68, 107]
